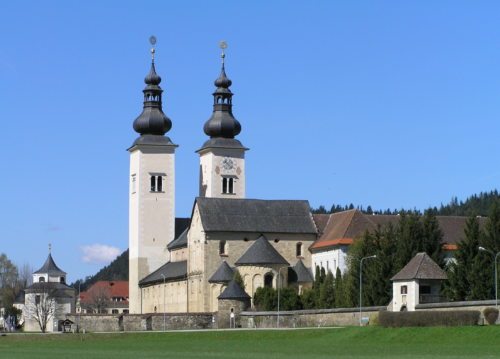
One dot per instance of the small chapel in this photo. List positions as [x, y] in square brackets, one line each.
[186, 264]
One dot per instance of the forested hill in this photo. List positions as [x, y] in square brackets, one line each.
[475, 205]
[116, 270]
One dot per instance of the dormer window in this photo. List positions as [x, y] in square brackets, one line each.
[156, 182]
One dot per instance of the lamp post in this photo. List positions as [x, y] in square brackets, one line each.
[279, 285]
[496, 271]
[361, 285]
[163, 275]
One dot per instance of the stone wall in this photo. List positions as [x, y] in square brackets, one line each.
[309, 318]
[138, 322]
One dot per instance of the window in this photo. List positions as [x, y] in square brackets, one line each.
[133, 184]
[222, 247]
[298, 250]
[41, 279]
[404, 289]
[156, 182]
[37, 299]
[125, 311]
[228, 185]
[62, 280]
[114, 311]
[268, 280]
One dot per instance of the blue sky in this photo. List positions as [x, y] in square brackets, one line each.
[388, 103]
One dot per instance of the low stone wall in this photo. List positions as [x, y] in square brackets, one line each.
[309, 318]
[143, 322]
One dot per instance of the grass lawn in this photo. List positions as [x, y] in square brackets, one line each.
[353, 342]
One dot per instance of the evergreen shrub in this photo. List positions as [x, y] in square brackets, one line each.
[429, 318]
[491, 315]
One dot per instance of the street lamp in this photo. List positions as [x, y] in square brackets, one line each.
[163, 275]
[361, 285]
[496, 272]
[279, 285]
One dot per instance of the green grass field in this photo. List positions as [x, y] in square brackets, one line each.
[371, 342]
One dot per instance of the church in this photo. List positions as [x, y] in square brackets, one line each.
[184, 265]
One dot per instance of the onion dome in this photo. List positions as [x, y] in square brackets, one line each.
[222, 123]
[152, 122]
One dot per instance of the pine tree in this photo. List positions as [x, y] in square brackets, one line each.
[327, 292]
[462, 280]
[432, 236]
[339, 290]
[238, 279]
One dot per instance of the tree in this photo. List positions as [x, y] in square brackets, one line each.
[339, 290]
[8, 281]
[327, 292]
[265, 298]
[41, 304]
[469, 274]
[100, 297]
[239, 279]
[308, 299]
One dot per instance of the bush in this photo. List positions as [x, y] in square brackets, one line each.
[267, 299]
[429, 318]
[491, 315]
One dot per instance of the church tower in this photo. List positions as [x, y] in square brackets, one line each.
[222, 157]
[152, 189]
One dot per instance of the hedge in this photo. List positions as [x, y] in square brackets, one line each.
[429, 318]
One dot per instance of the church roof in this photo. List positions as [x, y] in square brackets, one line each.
[50, 268]
[303, 273]
[179, 242]
[223, 274]
[261, 252]
[252, 215]
[233, 291]
[420, 267]
[170, 270]
[56, 289]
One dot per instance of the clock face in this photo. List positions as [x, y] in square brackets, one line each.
[227, 164]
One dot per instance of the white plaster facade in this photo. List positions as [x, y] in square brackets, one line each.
[330, 259]
[151, 213]
[217, 164]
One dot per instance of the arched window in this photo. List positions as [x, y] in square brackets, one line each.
[41, 279]
[230, 186]
[222, 247]
[298, 250]
[268, 280]
[61, 279]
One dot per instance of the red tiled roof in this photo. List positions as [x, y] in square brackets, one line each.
[115, 288]
[352, 224]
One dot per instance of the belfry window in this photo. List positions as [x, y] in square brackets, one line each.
[156, 182]
[228, 185]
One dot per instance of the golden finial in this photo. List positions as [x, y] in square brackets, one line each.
[223, 46]
[152, 41]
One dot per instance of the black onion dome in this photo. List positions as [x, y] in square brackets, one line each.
[152, 120]
[222, 123]
[223, 81]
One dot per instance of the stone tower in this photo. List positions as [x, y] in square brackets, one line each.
[152, 189]
[222, 157]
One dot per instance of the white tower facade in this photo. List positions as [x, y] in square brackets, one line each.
[151, 192]
[222, 157]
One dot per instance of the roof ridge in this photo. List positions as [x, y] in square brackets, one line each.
[353, 212]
